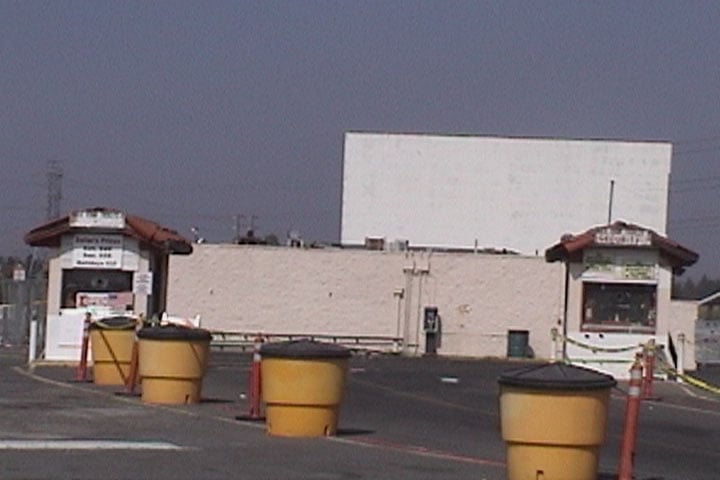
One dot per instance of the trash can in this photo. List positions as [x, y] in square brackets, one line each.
[302, 387]
[172, 362]
[111, 346]
[518, 343]
[552, 419]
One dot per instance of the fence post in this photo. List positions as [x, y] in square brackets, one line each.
[649, 357]
[32, 344]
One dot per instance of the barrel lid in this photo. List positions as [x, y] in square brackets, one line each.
[114, 323]
[174, 332]
[557, 376]
[304, 348]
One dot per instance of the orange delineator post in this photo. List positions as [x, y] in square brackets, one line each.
[649, 368]
[133, 371]
[254, 387]
[632, 410]
[132, 377]
[81, 371]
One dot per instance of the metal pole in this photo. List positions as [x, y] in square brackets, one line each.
[399, 294]
[406, 312]
[32, 344]
[565, 311]
[255, 381]
[610, 201]
[649, 357]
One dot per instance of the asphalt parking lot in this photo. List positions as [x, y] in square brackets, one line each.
[401, 418]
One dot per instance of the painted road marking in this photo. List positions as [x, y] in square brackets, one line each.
[449, 380]
[86, 445]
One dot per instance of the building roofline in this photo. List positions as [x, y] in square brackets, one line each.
[510, 137]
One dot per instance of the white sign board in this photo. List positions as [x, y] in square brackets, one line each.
[18, 274]
[97, 251]
[63, 337]
[142, 283]
[623, 238]
[97, 219]
[99, 303]
[615, 265]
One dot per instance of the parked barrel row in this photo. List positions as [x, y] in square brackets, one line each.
[303, 383]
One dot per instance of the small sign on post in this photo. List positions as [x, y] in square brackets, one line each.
[142, 283]
[19, 274]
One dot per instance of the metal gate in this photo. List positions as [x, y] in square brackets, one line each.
[707, 341]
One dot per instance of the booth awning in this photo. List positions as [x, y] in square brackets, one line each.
[152, 234]
[621, 235]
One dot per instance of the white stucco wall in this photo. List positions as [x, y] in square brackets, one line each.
[514, 193]
[681, 311]
[334, 291]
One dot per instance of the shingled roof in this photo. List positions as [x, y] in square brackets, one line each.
[148, 232]
[571, 246]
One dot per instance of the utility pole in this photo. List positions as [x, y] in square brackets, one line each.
[236, 228]
[54, 190]
[252, 223]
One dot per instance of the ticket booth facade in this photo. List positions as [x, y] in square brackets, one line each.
[617, 293]
[105, 262]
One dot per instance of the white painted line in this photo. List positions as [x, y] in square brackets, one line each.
[85, 445]
[449, 380]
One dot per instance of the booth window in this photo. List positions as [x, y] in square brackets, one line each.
[620, 307]
[82, 280]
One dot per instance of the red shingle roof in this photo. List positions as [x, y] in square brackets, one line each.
[571, 246]
[152, 234]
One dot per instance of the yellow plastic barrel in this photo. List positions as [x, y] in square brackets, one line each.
[111, 345]
[172, 363]
[302, 387]
[553, 421]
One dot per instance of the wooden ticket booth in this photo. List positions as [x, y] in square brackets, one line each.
[105, 262]
[617, 293]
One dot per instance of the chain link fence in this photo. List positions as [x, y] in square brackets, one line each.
[22, 301]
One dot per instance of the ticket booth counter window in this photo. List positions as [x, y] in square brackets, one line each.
[619, 307]
[89, 281]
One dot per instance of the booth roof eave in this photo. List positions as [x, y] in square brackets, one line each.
[146, 231]
[571, 246]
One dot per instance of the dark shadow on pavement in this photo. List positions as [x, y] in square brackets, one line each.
[216, 400]
[350, 432]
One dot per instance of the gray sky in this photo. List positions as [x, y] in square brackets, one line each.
[189, 113]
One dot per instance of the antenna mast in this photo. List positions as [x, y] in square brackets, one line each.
[610, 201]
